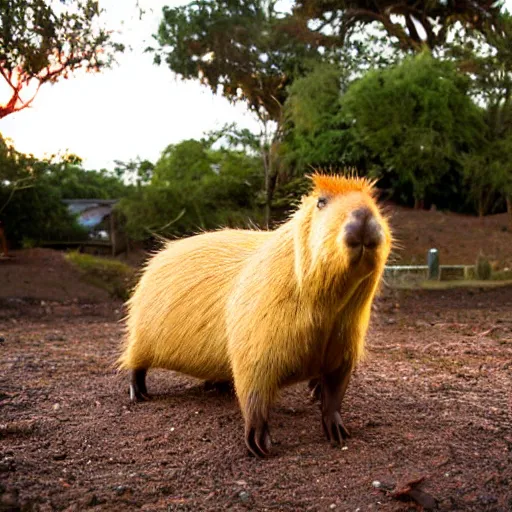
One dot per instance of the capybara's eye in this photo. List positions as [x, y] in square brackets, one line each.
[322, 201]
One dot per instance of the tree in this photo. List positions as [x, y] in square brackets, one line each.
[409, 24]
[416, 119]
[41, 42]
[135, 172]
[239, 49]
[196, 187]
[488, 63]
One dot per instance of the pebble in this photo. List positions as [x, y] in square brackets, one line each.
[244, 496]
[332, 506]
[60, 456]
[120, 489]
[376, 484]
[56, 407]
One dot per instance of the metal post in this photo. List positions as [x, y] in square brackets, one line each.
[433, 264]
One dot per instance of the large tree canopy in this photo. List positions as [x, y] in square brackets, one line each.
[43, 41]
[416, 119]
[408, 22]
[235, 47]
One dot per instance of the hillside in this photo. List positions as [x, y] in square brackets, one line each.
[458, 238]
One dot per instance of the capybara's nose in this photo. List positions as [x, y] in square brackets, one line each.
[363, 230]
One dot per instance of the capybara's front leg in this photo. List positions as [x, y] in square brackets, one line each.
[138, 391]
[257, 433]
[255, 395]
[333, 388]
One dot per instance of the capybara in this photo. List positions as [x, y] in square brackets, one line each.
[266, 309]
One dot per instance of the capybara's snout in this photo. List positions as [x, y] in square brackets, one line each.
[363, 230]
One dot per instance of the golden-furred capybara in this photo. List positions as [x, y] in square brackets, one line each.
[266, 309]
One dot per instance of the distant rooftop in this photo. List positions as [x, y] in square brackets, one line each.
[91, 212]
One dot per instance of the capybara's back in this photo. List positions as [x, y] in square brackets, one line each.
[176, 314]
[266, 309]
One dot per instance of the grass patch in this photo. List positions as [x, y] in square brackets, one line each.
[502, 275]
[448, 285]
[115, 277]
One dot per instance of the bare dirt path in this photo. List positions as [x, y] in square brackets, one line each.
[432, 400]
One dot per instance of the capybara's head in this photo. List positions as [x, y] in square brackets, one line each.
[342, 229]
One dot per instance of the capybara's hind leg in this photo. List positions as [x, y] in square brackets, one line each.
[333, 388]
[257, 433]
[138, 391]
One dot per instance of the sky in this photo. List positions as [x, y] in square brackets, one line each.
[134, 110]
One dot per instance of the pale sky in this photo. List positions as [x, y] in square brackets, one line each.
[133, 110]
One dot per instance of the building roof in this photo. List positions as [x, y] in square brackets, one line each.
[90, 212]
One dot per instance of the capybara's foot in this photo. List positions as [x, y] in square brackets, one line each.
[257, 434]
[138, 391]
[222, 387]
[257, 439]
[334, 429]
[315, 388]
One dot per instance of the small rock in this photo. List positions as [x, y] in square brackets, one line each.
[376, 484]
[244, 496]
[391, 321]
[332, 506]
[60, 456]
[56, 407]
[120, 489]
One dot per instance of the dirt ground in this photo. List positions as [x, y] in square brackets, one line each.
[432, 400]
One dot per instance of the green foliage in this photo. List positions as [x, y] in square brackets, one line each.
[115, 277]
[415, 120]
[335, 22]
[42, 41]
[314, 136]
[135, 172]
[187, 161]
[195, 187]
[241, 46]
[31, 193]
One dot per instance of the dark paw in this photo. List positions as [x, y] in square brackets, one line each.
[334, 429]
[257, 440]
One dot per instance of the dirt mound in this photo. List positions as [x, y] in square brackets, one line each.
[44, 274]
[458, 238]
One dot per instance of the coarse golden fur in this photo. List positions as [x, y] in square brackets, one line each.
[264, 309]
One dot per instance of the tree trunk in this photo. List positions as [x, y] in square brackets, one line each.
[419, 204]
[509, 209]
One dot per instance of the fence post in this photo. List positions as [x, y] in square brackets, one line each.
[433, 264]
